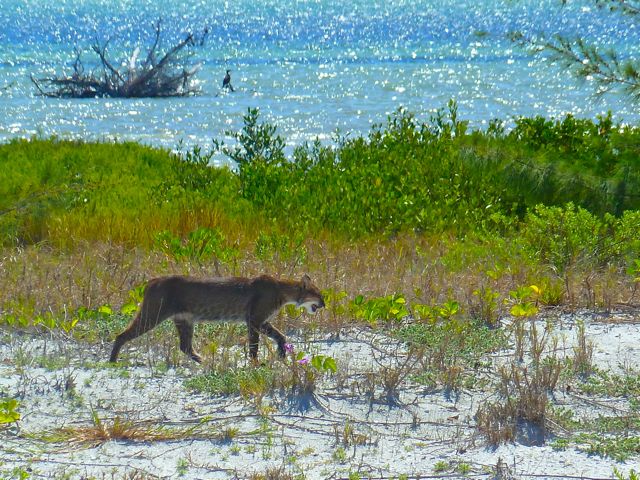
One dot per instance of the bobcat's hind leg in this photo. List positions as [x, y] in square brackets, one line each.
[151, 313]
[254, 339]
[184, 326]
[137, 327]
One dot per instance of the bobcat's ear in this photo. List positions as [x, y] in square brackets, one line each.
[306, 281]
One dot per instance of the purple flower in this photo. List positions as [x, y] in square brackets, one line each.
[288, 347]
[303, 361]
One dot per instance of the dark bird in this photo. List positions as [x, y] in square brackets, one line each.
[226, 82]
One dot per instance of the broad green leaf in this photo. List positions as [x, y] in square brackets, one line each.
[330, 364]
[8, 410]
[129, 308]
[317, 361]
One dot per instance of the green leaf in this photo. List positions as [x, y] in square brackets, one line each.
[329, 364]
[317, 362]
[8, 412]
[526, 309]
[106, 309]
[129, 308]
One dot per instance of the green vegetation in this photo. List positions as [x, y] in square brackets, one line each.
[603, 382]
[244, 381]
[63, 192]
[451, 347]
[552, 198]
[550, 203]
[299, 378]
[9, 411]
[403, 177]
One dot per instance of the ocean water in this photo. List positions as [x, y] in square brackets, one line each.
[312, 67]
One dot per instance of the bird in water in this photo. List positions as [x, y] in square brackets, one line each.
[226, 82]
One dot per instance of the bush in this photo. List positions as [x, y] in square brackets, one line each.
[405, 176]
[569, 236]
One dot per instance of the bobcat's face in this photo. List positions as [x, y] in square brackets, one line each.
[310, 297]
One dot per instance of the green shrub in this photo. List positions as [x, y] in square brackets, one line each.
[200, 246]
[404, 176]
[569, 236]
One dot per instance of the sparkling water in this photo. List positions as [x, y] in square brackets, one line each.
[312, 67]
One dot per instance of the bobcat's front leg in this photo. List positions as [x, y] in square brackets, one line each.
[274, 333]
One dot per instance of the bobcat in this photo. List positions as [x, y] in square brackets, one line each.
[187, 300]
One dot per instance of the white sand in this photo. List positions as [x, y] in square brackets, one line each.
[411, 437]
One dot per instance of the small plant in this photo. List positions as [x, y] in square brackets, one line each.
[99, 323]
[348, 436]
[582, 351]
[486, 308]
[117, 429]
[463, 468]
[390, 307]
[135, 296]
[323, 363]
[391, 377]
[602, 382]
[564, 418]
[306, 370]
[9, 411]
[524, 401]
[340, 455]
[245, 381]
[523, 301]
[497, 421]
[619, 448]
[337, 306]
[448, 347]
[200, 246]
[229, 434]
[46, 321]
[560, 444]
[182, 467]
[19, 473]
[441, 466]
[633, 475]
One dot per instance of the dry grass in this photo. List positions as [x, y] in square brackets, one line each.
[496, 421]
[38, 279]
[582, 352]
[116, 429]
[273, 473]
[122, 429]
[522, 409]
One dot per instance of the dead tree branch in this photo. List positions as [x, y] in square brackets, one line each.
[165, 78]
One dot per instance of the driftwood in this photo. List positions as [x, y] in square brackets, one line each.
[165, 77]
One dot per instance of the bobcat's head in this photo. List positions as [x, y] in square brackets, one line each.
[309, 296]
